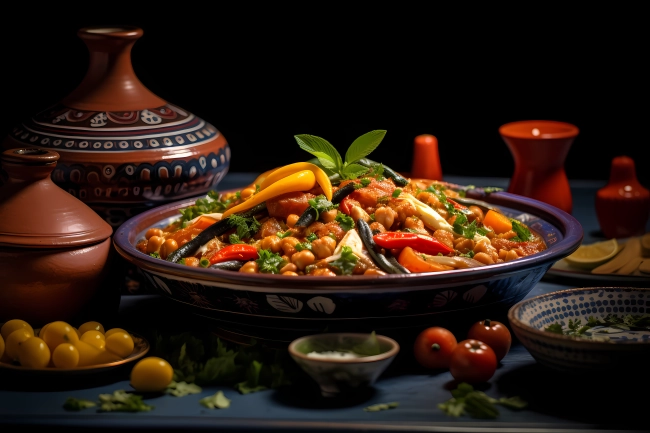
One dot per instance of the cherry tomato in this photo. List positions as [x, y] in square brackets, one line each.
[59, 332]
[91, 326]
[433, 347]
[11, 325]
[65, 355]
[120, 344]
[494, 334]
[95, 338]
[473, 362]
[14, 340]
[151, 374]
[33, 353]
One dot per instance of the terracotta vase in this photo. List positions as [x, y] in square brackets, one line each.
[539, 149]
[623, 205]
[426, 159]
[56, 256]
[122, 148]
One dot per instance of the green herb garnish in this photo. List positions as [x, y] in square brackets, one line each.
[477, 404]
[320, 204]
[216, 401]
[246, 227]
[397, 192]
[311, 237]
[330, 159]
[121, 401]
[284, 235]
[345, 221]
[78, 404]
[210, 204]
[346, 263]
[269, 262]
[181, 389]
[381, 406]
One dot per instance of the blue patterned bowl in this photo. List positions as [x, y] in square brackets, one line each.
[281, 308]
[600, 347]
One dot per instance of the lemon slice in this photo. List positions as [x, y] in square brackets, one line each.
[592, 255]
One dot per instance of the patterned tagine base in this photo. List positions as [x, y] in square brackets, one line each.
[113, 161]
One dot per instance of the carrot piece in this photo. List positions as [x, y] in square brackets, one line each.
[415, 263]
[498, 221]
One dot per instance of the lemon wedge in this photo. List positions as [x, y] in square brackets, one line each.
[592, 255]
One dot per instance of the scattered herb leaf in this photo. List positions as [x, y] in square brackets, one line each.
[381, 406]
[216, 401]
[78, 404]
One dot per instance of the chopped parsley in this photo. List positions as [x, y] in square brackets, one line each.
[311, 237]
[397, 192]
[269, 262]
[523, 234]
[345, 221]
[246, 227]
[155, 255]
[283, 235]
[577, 329]
[477, 404]
[346, 263]
[303, 246]
[320, 204]
[210, 204]
[234, 239]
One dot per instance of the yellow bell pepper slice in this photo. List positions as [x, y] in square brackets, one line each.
[301, 181]
[284, 171]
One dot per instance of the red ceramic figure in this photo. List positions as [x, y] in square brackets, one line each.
[623, 205]
[539, 149]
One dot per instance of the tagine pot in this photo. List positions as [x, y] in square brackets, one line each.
[122, 148]
[57, 261]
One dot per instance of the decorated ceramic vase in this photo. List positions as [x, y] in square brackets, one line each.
[122, 148]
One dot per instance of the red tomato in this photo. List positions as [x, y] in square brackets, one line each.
[473, 362]
[494, 334]
[433, 347]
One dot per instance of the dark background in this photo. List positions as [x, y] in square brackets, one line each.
[263, 75]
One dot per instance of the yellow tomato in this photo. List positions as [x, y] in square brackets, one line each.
[13, 325]
[13, 341]
[33, 353]
[91, 355]
[59, 332]
[65, 355]
[114, 330]
[95, 338]
[151, 374]
[2, 347]
[120, 343]
[88, 326]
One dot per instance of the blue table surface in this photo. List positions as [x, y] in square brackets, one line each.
[557, 401]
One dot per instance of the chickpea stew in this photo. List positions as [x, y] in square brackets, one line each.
[332, 217]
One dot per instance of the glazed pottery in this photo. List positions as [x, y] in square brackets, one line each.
[279, 308]
[56, 255]
[426, 159]
[539, 149]
[337, 375]
[614, 349]
[122, 148]
[623, 205]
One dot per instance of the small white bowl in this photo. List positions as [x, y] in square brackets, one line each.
[615, 349]
[335, 373]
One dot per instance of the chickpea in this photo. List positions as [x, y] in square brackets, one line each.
[429, 198]
[323, 247]
[323, 272]
[507, 235]
[288, 245]
[192, 261]
[247, 192]
[250, 267]
[445, 237]
[153, 232]
[372, 271]
[376, 227]
[484, 258]
[414, 223]
[464, 245]
[358, 213]
[404, 210]
[385, 216]
[142, 246]
[476, 215]
[289, 267]
[329, 216]
[303, 258]
[154, 244]
[511, 255]
[292, 220]
[314, 227]
[289, 273]
[272, 243]
[169, 246]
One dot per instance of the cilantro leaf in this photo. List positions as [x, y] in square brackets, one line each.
[246, 227]
[269, 262]
[216, 401]
[381, 406]
[320, 204]
[78, 404]
[523, 234]
[345, 221]
[181, 389]
[121, 401]
[346, 263]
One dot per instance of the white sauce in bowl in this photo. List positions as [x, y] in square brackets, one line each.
[333, 354]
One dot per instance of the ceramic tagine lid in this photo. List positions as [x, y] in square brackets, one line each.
[122, 148]
[36, 213]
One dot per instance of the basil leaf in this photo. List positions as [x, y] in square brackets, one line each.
[364, 145]
[327, 154]
[353, 171]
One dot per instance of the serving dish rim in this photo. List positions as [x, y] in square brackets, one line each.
[571, 230]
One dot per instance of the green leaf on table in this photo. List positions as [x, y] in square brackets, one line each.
[252, 382]
[216, 401]
[122, 401]
[78, 404]
[513, 402]
[477, 404]
[181, 389]
[381, 406]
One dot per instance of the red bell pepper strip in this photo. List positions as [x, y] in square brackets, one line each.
[346, 205]
[419, 242]
[234, 252]
[456, 204]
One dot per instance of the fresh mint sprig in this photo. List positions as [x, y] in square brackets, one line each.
[330, 159]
